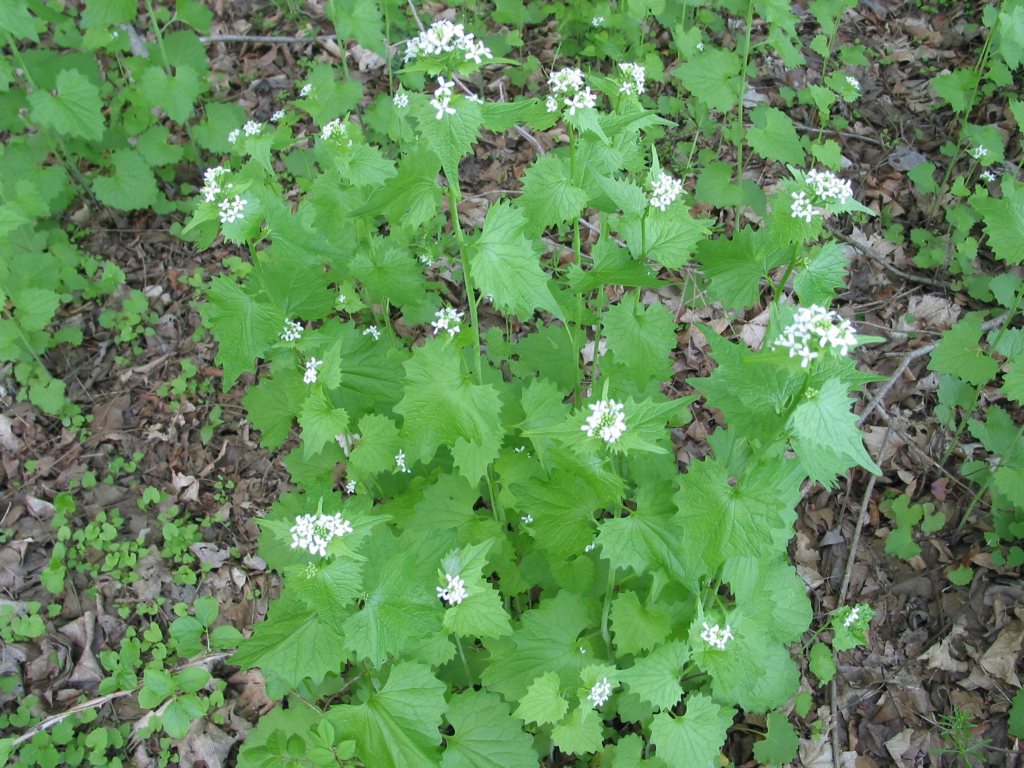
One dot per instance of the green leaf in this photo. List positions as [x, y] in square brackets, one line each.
[1016, 722]
[713, 77]
[442, 407]
[956, 88]
[156, 148]
[375, 452]
[773, 136]
[543, 702]
[962, 575]
[826, 437]
[546, 640]
[655, 677]
[289, 626]
[1013, 381]
[34, 307]
[452, 137]
[578, 734]
[320, 422]
[671, 236]
[106, 13]
[822, 663]
[636, 627]
[779, 747]
[76, 109]
[505, 264]
[157, 687]
[398, 725]
[244, 328]
[486, 735]
[175, 94]
[481, 613]
[549, 195]
[1004, 222]
[133, 185]
[273, 404]
[359, 20]
[641, 338]
[960, 352]
[696, 738]
[15, 18]
[822, 275]
[735, 266]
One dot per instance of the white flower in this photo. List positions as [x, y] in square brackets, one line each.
[715, 636]
[341, 299]
[231, 210]
[443, 98]
[334, 129]
[589, 548]
[827, 186]
[987, 176]
[551, 103]
[311, 370]
[350, 487]
[211, 183]
[401, 100]
[600, 693]
[314, 532]
[400, 462]
[252, 128]
[802, 208]
[447, 319]
[233, 136]
[347, 442]
[426, 261]
[306, 90]
[566, 80]
[978, 152]
[606, 420]
[700, 46]
[664, 190]
[372, 330]
[813, 329]
[527, 519]
[279, 115]
[446, 37]
[853, 82]
[597, 21]
[636, 79]
[454, 592]
[851, 619]
[584, 99]
[292, 330]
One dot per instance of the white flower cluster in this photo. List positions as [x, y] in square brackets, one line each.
[442, 100]
[825, 187]
[446, 37]
[987, 176]
[851, 619]
[277, 116]
[252, 128]
[335, 129]
[447, 319]
[600, 693]
[802, 207]
[664, 190]
[233, 136]
[400, 462]
[978, 152]
[306, 90]
[314, 532]
[401, 100]
[606, 420]
[569, 84]
[527, 519]
[454, 592]
[813, 329]
[597, 21]
[372, 330]
[636, 79]
[312, 368]
[853, 82]
[211, 183]
[232, 209]
[715, 636]
[292, 330]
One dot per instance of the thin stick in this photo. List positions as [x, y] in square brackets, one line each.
[267, 39]
[879, 259]
[52, 720]
[860, 524]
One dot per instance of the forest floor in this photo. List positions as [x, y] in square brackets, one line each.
[935, 648]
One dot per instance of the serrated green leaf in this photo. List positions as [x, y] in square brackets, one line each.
[273, 404]
[34, 308]
[452, 137]
[1004, 222]
[822, 275]
[780, 745]
[175, 94]
[244, 328]
[505, 264]
[543, 702]
[15, 18]
[578, 734]
[956, 88]
[641, 338]
[486, 735]
[773, 136]
[696, 738]
[549, 196]
[1016, 721]
[398, 725]
[481, 613]
[320, 421]
[636, 627]
[655, 677]
[960, 352]
[375, 451]
[76, 109]
[359, 20]
[131, 187]
[713, 77]
[822, 663]
[671, 236]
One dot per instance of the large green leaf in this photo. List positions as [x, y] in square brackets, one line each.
[773, 136]
[360, 20]
[75, 110]
[175, 94]
[398, 725]
[638, 627]
[244, 328]
[1004, 222]
[641, 338]
[131, 187]
[714, 78]
[486, 735]
[505, 264]
[549, 195]
[695, 739]
[655, 677]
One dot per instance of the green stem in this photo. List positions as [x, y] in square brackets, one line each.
[454, 196]
[462, 658]
[606, 610]
[743, 91]
[785, 277]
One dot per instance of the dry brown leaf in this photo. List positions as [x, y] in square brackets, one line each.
[1000, 660]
